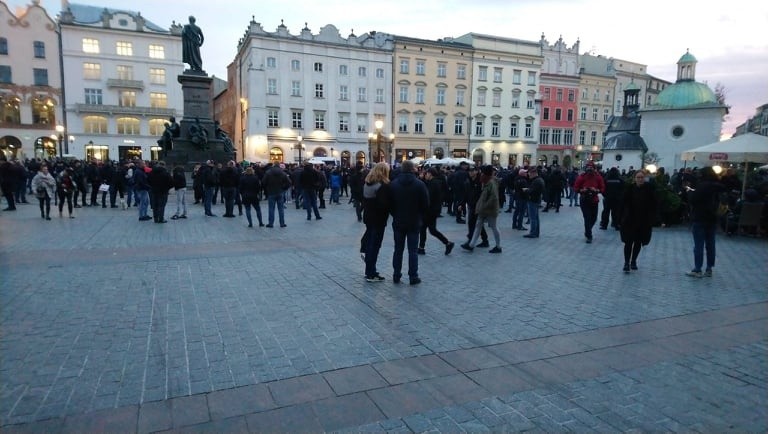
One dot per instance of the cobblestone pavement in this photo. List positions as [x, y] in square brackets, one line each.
[200, 325]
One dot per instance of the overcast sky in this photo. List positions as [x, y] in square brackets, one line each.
[728, 38]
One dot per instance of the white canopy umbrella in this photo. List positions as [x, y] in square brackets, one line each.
[746, 148]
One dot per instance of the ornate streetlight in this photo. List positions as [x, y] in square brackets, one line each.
[299, 146]
[378, 139]
[60, 133]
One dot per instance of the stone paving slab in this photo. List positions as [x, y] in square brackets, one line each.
[186, 322]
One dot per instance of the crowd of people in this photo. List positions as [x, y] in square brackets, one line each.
[633, 202]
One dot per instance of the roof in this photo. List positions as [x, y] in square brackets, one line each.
[86, 14]
[625, 142]
[687, 58]
[685, 94]
[624, 124]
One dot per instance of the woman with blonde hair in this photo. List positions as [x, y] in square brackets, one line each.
[375, 215]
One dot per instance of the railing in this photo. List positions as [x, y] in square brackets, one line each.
[127, 84]
[121, 110]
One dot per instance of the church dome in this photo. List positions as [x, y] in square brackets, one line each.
[685, 94]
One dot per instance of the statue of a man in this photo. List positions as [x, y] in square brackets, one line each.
[198, 135]
[191, 41]
[224, 137]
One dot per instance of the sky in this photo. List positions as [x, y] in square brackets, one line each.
[727, 38]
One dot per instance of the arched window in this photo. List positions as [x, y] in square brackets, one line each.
[275, 155]
[345, 157]
[9, 107]
[157, 127]
[95, 124]
[360, 157]
[10, 146]
[320, 152]
[128, 126]
[439, 153]
[43, 111]
[478, 156]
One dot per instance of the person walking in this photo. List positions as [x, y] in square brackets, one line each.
[250, 187]
[704, 202]
[409, 201]
[487, 210]
[590, 186]
[435, 187]
[473, 190]
[376, 207]
[44, 185]
[637, 216]
[534, 191]
[275, 182]
[180, 187]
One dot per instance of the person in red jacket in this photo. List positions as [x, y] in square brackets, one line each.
[589, 185]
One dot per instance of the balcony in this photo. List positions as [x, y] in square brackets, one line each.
[120, 110]
[125, 84]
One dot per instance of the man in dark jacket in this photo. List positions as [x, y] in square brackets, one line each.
[275, 182]
[228, 180]
[141, 188]
[435, 188]
[310, 181]
[704, 201]
[614, 191]
[534, 191]
[8, 182]
[160, 181]
[209, 181]
[409, 200]
[458, 184]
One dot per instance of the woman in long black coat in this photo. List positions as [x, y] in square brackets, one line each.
[638, 214]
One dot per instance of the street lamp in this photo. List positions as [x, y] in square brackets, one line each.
[378, 139]
[60, 133]
[299, 146]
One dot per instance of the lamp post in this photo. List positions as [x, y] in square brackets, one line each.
[299, 146]
[378, 139]
[579, 150]
[60, 133]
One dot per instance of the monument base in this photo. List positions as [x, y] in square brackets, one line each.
[187, 154]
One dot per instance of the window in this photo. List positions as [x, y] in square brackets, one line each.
[157, 75]
[517, 76]
[128, 126]
[421, 67]
[404, 66]
[513, 129]
[582, 137]
[156, 51]
[362, 94]
[584, 93]
[594, 114]
[441, 96]
[461, 72]
[495, 128]
[318, 67]
[402, 124]
[418, 125]
[419, 95]
[482, 74]
[379, 72]
[3, 46]
[545, 114]
[156, 127]
[544, 136]
[481, 97]
[158, 100]
[319, 120]
[529, 102]
[43, 111]
[296, 119]
[571, 95]
[343, 70]
[319, 91]
[479, 127]
[124, 72]
[39, 47]
[272, 86]
[607, 96]
[556, 135]
[362, 123]
[295, 88]
[403, 94]
[442, 69]
[93, 96]
[497, 98]
[271, 63]
[497, 75]
[458, 126]
[606, 114]
[295, 65]
[439, 125]
[570, 115]
[343, 122]
[40, 76]
[380, 96]
[344, 92]
[583, 114]
[459, 96]
[597, 95]
[273, 118]
[124, 48]
[593, 138]
[95, 124]
[5, 74]
[528, 129]
[568, 137]
[90, 45]
[531, 78]
[91, 71]
[558, 114]
[515, 99]
[547, 94]
[127, 98]
[559, 94]
[361, 71]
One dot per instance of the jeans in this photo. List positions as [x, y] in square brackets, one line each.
[130, 195]
[374, 235]
[335, 194]
[533, 216]
[703, 237]
[228, 193]
[207, 199]
[276, 200]
[256, 206]
[573, 199]
[481, 220]
[142, 196]
[519, 213]
[310, 203]
[589, 211]
[159, 200]
[412, 239]
[181, 203]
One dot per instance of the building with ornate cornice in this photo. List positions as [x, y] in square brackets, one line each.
[120, 81]
[432, 95]
[596, 94]
[311, 95]
[30, 84]
[505, 90]
[559, 90]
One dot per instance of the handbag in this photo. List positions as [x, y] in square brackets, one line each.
[104, 188]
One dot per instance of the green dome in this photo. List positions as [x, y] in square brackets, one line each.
[685, 94]
[687, 58]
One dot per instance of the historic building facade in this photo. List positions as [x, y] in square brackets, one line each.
[120, 81]
[30, 85]
[597, 86]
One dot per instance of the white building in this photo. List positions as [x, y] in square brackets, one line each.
[120, 81]
[30, 84]
[311, 94]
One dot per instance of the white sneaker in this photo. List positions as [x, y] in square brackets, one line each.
[122, 204]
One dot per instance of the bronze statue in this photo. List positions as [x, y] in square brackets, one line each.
[191, 41]
[172, 131]
[224, 137]
[198, 135]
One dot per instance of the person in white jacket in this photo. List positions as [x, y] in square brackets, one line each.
[44, 186]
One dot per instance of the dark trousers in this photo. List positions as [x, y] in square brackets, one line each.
[310, 203]
[703, 238]
[45, 206]
[373, 237]
[8, 195]
[589, 211]
[431, 226]
[95, 192]
[411, 237]
[517, 216]
[158, 205]
[471, 223]
[228, 193]
[256, 206]
[62, 197]
[610, 209]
